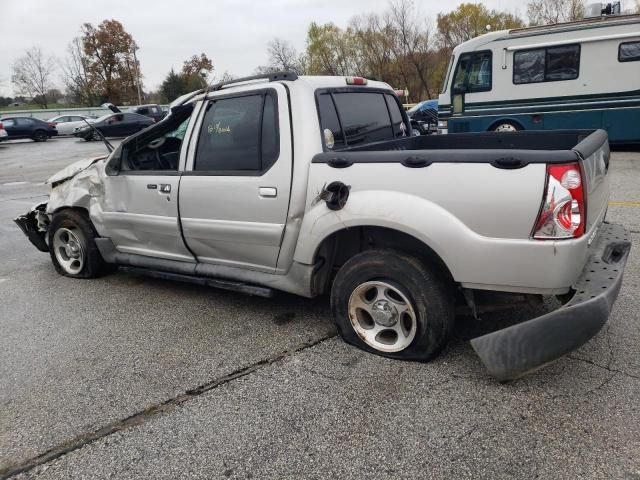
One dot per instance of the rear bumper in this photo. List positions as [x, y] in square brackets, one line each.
[517, 350]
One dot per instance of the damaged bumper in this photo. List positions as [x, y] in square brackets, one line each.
[517, 350]
[34, 225]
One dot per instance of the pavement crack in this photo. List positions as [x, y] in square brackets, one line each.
[604, 367]
[145, 415]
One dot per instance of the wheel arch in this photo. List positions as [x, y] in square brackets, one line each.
[511, 120]
[341, 245]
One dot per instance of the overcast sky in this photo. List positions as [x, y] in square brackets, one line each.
[232, 33]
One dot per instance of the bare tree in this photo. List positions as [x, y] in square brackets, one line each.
[411, 38]
[283, 57]
[544, 12]
[75, 74]
[32, 75]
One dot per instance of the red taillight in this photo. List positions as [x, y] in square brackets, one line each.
[356, 81]
[563, 213]
[52, 124]
[1, 126]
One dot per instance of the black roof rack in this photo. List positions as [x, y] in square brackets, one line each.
[272, 77]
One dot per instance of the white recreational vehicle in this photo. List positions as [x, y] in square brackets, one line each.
[583, 74]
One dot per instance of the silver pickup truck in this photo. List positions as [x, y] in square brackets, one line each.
[315, 185]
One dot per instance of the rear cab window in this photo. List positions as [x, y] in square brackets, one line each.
[355, 117]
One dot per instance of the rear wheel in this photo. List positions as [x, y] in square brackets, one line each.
[72, 247]
[392, 304]
[40, 136]
[506, 127]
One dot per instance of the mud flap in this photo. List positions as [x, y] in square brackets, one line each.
[520, 349]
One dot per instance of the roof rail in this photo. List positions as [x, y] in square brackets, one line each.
[272, 77]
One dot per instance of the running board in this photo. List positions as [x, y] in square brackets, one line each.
[203, 281]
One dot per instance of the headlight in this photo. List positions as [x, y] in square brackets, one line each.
[443, 123]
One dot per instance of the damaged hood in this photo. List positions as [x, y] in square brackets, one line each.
[73, 169]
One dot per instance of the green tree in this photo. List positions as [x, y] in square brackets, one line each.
[173, 86]
[470, 20]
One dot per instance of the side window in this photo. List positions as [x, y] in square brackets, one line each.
[238, 134]
[397, 122]
[25, 121]
[473, 73]
[142, 111]
[629, 52]
[528, 66]
[563, 63]
[9, 122]
[479, 79]
[158, 148]
[460, 77]
[364, 117]
[331, 131]
[546, 64]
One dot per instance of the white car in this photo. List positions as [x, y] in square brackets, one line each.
[67, 124]
[3, 133]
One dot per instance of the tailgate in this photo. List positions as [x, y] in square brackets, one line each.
[594, 153]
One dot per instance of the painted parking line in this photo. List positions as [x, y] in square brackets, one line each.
[625, 204]
[11, 184]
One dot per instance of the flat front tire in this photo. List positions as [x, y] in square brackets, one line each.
[393, 304]
[71, 239]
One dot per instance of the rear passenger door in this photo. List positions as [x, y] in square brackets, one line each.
[234, 194]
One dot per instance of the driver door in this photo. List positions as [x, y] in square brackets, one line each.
[141, 192]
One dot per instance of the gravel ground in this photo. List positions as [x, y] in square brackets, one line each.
[130, 377]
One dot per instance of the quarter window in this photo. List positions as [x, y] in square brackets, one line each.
[239, 134]
[629, 52]
[550, 64]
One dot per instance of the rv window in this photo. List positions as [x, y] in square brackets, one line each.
[629, 52]
[473, 73]
[563, 63]
[546, 64]
[528, 66]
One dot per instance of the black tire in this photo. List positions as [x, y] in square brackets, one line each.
[77, 221]
[431, 297]
[40, 136]
[95, 136]
[506, 126]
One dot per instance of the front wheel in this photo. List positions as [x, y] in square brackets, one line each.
[393, 304]
[72, 247]
[40, 136]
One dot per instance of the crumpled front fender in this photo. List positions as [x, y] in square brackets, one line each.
[34, 225]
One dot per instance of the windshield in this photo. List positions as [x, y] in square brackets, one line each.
[445, 82]
[415, 108]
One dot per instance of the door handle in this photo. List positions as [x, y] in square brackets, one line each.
[165, 188]
[268, 192]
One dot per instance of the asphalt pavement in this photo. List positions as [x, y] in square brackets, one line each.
[131, 377]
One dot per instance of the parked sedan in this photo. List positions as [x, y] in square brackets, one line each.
[66, 124]
[114, 125]
[152, 111]
[27, 127]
